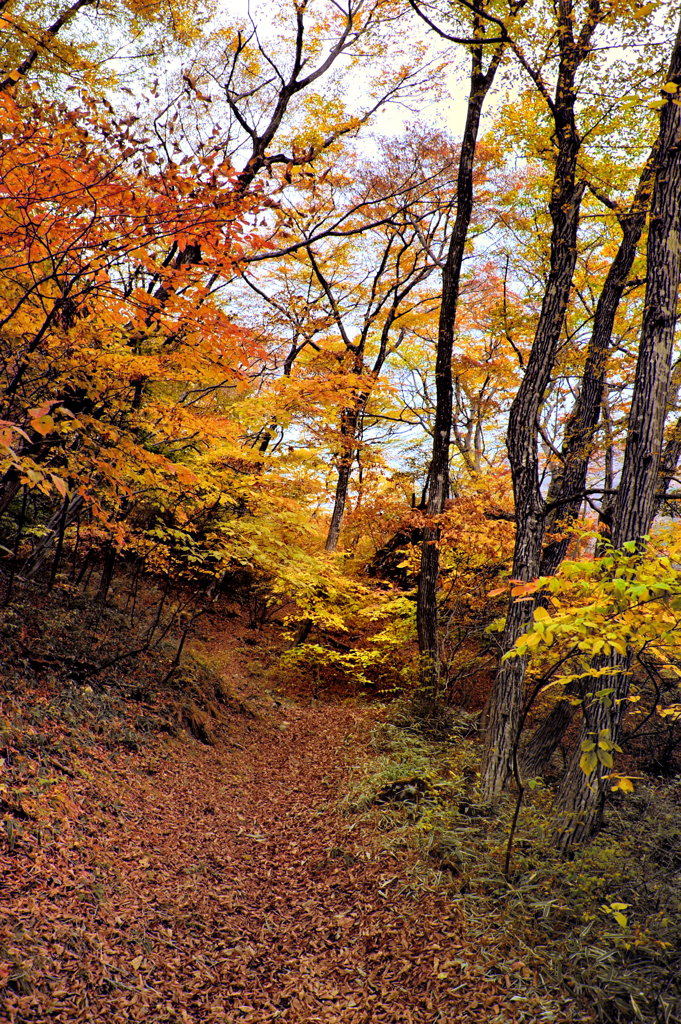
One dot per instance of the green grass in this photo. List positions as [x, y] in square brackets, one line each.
[555, 930]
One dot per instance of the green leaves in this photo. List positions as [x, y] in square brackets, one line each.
[615, 910]
[588, 762]
[598, 751]
[598, 613]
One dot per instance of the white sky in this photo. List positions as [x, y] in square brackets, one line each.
[394, 118]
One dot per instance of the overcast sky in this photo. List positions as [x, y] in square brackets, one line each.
[394, 118]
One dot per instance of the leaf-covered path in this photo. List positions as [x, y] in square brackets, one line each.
[220, 884]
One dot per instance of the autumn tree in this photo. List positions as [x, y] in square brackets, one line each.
[583, 790]
[53, 43]
[361, 269]
[486, 34]
[121, 230]
[575, 52]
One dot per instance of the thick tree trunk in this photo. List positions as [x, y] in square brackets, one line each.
[581, 796]
[505, 704]
[671, 455]
[568, 484]
[548, 735]
[426, 602]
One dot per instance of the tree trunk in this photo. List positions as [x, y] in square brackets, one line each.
[505, 703]
[581, 796]
[568, 484]
[59, 522]
[548, 734]
[340, 499]
[426, 602]
[9, 488]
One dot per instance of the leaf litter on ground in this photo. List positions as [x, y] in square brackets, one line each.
[192, 884]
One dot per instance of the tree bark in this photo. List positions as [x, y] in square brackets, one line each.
[344, 470]
[568, 484]
[59, 522]
[426, 602]
[581, 797]
[505, 703]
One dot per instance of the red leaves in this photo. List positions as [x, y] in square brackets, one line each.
[214, 886]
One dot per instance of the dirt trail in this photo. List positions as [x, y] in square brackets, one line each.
[222, 884]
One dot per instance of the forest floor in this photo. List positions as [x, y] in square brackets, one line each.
[215, 883]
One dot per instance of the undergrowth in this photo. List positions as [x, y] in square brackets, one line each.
[600, 935]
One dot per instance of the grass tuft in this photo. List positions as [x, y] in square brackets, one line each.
[597, 938]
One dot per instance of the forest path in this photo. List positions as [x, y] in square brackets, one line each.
[222, 884]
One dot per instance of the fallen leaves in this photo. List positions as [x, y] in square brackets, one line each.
[199, 885]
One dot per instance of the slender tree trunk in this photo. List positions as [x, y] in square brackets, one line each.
[340, 499]
[108, 569]
[9, 488]
[352, 420]
[349, 427]
[608, 444]
[59, 522]
[581, 797]
[438, 490]
[15, 551]
[61, 530]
